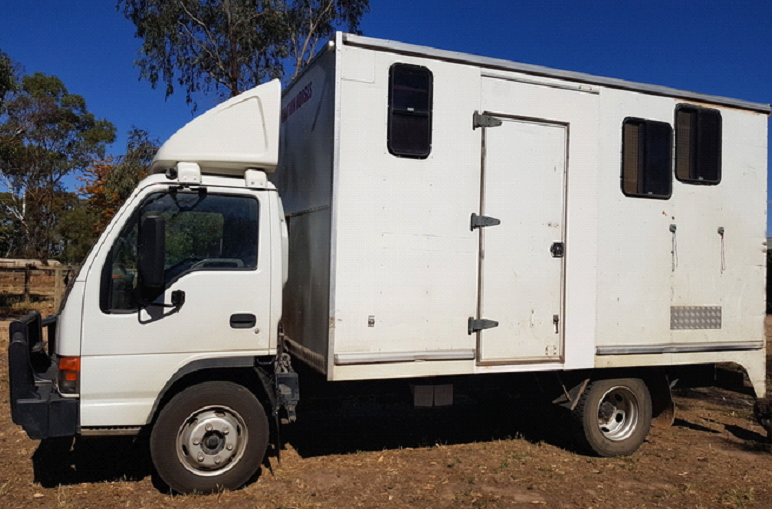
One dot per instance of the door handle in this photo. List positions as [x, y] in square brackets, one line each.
[243, 321]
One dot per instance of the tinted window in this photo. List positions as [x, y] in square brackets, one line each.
[203, 232]
[698, 145]
[410, 111]
[646, 158]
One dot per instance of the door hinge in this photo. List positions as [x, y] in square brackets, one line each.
[481, 324]
[480, 120]
[483, 221]
[558, 249]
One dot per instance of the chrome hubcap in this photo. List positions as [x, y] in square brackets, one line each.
[211, 440]
[618, 414]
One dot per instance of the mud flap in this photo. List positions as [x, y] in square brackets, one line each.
[662, 404]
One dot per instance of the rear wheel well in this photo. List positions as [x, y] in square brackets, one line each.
[656, 378]
[612, 416]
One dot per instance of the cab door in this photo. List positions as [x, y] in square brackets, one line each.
[217, 255]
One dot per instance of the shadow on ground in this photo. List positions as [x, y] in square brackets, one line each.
[90, 460]
[746, 434]
[390, 422]
[368, 418]
[94, 460]
[697, 427]
[738, 431]
[330, 426]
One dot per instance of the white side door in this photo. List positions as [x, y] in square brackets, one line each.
[522, 258]
[217, 251]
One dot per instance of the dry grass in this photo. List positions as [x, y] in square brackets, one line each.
[374, 452]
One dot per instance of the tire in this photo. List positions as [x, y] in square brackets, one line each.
[209, 437]
[613, 417]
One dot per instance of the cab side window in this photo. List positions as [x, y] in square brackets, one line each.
[203, 232]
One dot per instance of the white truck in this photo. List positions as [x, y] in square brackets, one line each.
[406, 212]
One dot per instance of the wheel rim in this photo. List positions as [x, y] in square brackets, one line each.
[618, 414]
[211, 440]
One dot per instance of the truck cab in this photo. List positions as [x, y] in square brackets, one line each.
[180, 296]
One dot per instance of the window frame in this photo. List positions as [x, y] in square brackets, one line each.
[638, 193]
[693, 146]
[134, 221]
[394, 111]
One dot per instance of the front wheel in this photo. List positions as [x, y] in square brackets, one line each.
[613, 416]
[210, 436]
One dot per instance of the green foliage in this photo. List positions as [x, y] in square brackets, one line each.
[309, 22]
[133, 165]
[206, 45]
[8, 227]
[46, 133]
[71, 236]
[230, 46]
[192, 235]
[75, 231]
[108, 183]
[8, 82]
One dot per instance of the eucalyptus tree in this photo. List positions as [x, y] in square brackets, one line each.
[228, 46]
[46, 134]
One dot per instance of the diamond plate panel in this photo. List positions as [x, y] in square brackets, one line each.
[695, 317]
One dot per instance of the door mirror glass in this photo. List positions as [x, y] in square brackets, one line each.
[151, 252]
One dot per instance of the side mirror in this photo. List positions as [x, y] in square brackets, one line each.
[151, 254]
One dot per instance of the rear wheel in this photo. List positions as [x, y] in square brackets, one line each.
[210, 436]
[613, 416]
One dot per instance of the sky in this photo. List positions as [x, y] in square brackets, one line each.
[717, 47]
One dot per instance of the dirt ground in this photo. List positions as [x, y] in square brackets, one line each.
[380, 452]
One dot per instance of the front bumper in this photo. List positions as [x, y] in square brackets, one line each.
[35, 404]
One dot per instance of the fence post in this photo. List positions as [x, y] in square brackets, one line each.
[57, 288]
[27, 271]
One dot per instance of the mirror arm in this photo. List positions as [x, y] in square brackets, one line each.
[178, 299]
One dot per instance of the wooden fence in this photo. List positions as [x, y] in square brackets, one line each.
[34, 283]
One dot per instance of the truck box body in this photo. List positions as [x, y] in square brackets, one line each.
[597, 260]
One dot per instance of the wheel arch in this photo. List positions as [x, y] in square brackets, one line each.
[246, 371]
[656, 378]
[613, 416]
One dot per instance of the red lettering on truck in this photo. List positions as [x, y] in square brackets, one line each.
[297, 102]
